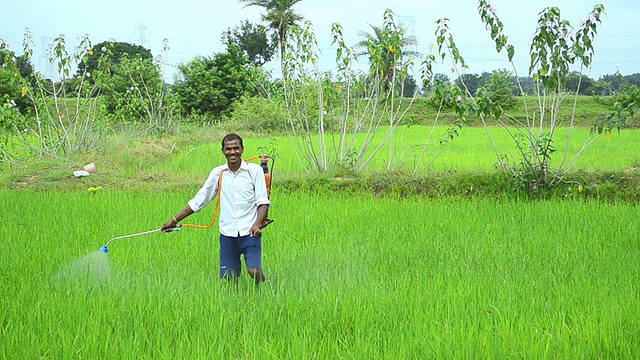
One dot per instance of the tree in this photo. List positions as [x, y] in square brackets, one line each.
[633, 79]
[280, 16]
[611, 82]
[115, 51]
[525, 84]
[11, 67]
[251, 39]
[556, 47]
[500, 89]
[408, 87]
[579, 84]
[386, 48]
[135, 89]
[443, 78]
[211, 85]
[472, 82]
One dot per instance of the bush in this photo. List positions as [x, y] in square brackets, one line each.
[258, 114]
[211, 85]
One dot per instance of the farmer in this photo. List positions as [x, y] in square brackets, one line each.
[244, 205]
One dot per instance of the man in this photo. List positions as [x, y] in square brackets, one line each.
[244, 205]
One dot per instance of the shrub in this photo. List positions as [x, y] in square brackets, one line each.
[258, 114]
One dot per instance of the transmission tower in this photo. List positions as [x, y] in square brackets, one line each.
[408, 24]
[47, 43]
[142, 33]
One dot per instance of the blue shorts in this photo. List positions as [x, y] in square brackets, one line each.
[230, 250]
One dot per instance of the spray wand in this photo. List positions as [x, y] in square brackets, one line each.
[105, 248]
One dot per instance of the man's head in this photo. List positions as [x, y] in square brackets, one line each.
[232, 148]
[230, 137]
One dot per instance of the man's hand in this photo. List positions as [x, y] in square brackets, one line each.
[255, 231]
[170, 225]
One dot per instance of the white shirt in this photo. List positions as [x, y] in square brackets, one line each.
[242, 192]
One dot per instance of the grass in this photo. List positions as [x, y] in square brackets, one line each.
[350, 276]
[608, 169]
[385, 266]
[589, 109]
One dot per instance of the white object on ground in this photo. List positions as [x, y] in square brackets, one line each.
[80, 173]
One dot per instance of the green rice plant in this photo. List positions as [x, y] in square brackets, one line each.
[471, 152]
[348, 277]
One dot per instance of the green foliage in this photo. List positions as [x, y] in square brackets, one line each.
[259, 115]
[388, 52]
[616, 118]
[212, 85]
[11, 88]
[136, 94]
[577, 83]
[627, 95]
[64, 123]
[408, 87]
[280, 17]
[500, 89]
[470, 82]
[253, 40]
[554, 49]
[115, 50]
[10, 116]
[13, 67]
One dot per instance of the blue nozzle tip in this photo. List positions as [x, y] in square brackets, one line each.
[104, 249]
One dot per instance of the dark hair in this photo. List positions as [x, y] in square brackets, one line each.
[231, 137]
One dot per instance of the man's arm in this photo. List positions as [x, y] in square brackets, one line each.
[176, 219]
[263, 212]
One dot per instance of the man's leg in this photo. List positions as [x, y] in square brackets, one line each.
[252, 250]
[230, 265]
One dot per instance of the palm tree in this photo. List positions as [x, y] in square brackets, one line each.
[280, 16]
[386, 49]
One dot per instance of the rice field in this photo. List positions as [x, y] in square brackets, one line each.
[349, 277]
[471, 150]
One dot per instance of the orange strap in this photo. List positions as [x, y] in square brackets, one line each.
[215, 212]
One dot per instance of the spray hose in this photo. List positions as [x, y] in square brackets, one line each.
[105, 248]
[217, 208]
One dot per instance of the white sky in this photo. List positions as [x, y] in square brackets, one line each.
[194, 27]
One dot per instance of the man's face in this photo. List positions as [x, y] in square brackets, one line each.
[233, 152]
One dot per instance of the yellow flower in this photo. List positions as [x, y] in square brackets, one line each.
[580, 188]
[90, 52]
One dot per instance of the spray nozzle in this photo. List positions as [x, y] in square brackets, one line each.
[104, 249]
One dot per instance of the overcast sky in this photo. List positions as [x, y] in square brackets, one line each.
[194, 27]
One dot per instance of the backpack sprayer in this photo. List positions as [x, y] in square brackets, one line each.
[267, 177]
